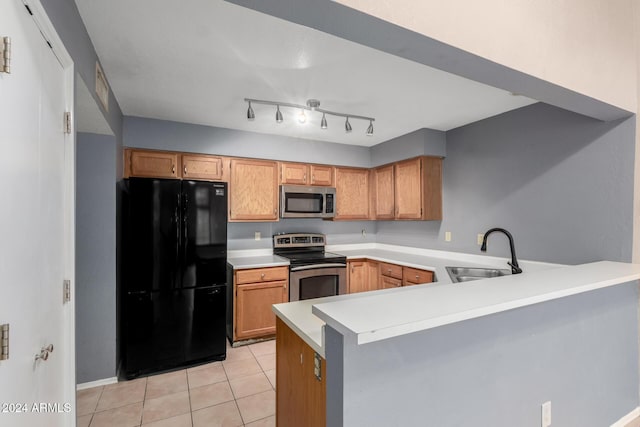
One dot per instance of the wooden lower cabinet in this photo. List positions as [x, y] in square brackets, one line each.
[256, 290]
[301, 398]
[393, 276]
[414, 276]
[362, 275]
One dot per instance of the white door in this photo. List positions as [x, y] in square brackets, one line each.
[36, 214]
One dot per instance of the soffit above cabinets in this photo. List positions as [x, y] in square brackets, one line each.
[196, 63]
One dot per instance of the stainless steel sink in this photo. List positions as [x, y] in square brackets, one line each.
[467, 274]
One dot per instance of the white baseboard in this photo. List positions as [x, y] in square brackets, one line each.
[627, 418]
[97, 383]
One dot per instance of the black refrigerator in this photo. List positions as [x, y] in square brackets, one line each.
[173, 287]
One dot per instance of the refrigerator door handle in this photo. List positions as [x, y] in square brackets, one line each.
[185, 233]
[177, 223]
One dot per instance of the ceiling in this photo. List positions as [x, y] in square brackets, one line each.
[195, 61]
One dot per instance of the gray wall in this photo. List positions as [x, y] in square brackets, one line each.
[579, 352]
[95, 298]
[422, 142]
[166, 135]
[562, 183]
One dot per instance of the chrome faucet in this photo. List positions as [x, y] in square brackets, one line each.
[515, 268]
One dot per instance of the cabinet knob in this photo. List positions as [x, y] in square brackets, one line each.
[262, 276]
[173, 168]
[417, 277]
[185, 169]
[389, 270]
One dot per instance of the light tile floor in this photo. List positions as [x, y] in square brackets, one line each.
[239, 391]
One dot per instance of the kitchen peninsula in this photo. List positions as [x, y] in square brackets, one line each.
[489, 352]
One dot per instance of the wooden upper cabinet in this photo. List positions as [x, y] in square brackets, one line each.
[253, 190]
[322, 175]
[210, 168]
[352, 193]
[408, 189]
[295, 173]
[152, 164]
[383, 192]
[305, 174]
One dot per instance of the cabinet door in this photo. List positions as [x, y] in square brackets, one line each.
[387, 282]
[373, 268]
[352, 193]
[384, 203]
[408, 189]
[295, 173]
[154, 164]
[253, 190]
[358, 273]
[414, 276]
[301, 396]
[202, 167]
[322, 175]
[254, 317]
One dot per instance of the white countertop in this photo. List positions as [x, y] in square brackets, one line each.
[377, 315]
[260, 261]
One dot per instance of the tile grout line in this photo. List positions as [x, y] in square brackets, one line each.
[235, 401]
[186, 372]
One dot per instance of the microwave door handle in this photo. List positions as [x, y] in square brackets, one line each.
[316, 266]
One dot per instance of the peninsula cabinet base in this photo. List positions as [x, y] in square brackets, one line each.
[300, 395]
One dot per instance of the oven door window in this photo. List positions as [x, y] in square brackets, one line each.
[303, 202]
[318, 287]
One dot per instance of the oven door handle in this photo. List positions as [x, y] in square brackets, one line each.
[317, 266]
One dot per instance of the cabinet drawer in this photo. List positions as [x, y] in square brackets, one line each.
[391, 270]
[413, 276]
[256, 275]
[387, 282]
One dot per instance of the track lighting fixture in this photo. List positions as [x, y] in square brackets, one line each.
[311, 105]
[250, 114]
[370, 129]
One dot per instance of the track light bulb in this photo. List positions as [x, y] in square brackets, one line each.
[370, 128]
[250, 114]
[302, 118]
[278, 115]
[323, 122]
[347, 126]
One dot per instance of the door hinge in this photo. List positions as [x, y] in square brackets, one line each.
[67, 122]
[66, 291]
[4, 341]
[5, 55]
[317, 366]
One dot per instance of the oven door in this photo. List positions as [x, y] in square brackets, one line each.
[317, 281]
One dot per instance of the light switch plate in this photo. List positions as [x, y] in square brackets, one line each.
[546, 414]
[257, 235]
[480, 237]
[447, 236]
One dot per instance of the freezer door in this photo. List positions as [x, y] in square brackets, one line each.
[155, 326]
[204, 233]
[152, 237]
[207, 340]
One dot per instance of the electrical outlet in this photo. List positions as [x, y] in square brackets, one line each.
[364, 233]
[480, 237]
[546, 414]
[257, 235]
[447, 236]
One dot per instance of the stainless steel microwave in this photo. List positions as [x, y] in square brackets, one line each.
[297, 201]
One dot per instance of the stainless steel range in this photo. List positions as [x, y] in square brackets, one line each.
[313, 273]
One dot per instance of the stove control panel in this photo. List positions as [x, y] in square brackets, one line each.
[296, 240]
